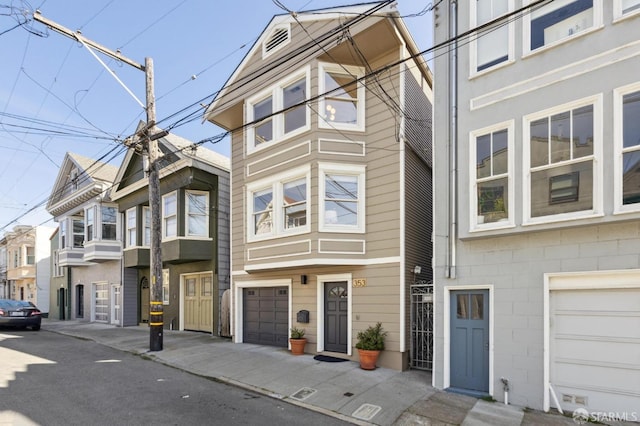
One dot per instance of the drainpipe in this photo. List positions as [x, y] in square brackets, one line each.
[453, 140]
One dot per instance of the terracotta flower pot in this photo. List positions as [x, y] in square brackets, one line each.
[368, 359]
[297, 346]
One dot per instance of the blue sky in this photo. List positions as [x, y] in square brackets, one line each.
[56, 97]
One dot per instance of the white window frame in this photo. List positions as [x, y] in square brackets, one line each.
[358, 72]
[509, 126]
[101, 222]
[73, 234]
[526, 22]
[473, 49]
[165, 217]
[597, 190]
[275, 184]
[134, 228]
[276, 94]
[90, 214]
[188, 213]
[146, 242]
[64, 234]
[357, 170]
[618, 127]
[618, 13]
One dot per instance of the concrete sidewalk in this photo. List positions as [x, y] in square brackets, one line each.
[341, 389]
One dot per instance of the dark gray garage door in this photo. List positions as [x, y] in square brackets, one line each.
[266, 316]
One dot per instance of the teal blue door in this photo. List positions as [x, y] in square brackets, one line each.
[470, 340]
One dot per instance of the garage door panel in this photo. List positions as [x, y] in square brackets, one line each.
[595, 348]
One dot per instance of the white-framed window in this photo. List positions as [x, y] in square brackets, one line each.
[493, 45]
[90, 223]
[491, 174]
[146, 226]
[170, 215]
[627, 148]
[58, 270]
[30, 255]
[342, 105]
[625, 8]
[132, 227]
[109, 223]
[288, 96]
[166, 295]
[341, 192]
[78, 232]
[563, 149]
[560, 20]
[279, 205]
[197, 214]
[63, 234]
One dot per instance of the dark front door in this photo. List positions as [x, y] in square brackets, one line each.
[470, 340]
[335, 316]
[266, 316]
[61, 304]
[80, 301]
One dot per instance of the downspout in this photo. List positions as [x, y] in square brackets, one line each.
[453, 140]
[69, 292]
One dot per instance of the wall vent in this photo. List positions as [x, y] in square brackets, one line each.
[278, 38]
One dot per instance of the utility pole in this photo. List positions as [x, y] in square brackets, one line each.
[148, 137]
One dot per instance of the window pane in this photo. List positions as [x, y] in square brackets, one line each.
[197, 225]
[263, 130]
[295, 206]
[197, 203]
[539, 142]
[493, 200]
[341, 86]
[630, 5]
[147, 226]
[170, 204]
[293, 95]
[170, 227]
[493, 46]
[558, 20]
[338, 111]
[631, 120]
[500, 157]
[583, 131]
[109, 231]
[477, 312]
[341, 213]
[341, 105]
[190, 287]
[341, 187]
[483, 156]
[560, 137]
[262, 211]
[631, 177]
[262, 200]
[462, 311]
[109, 223]
[206, 286]
[544, 182]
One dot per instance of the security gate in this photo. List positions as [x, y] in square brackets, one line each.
[422, 325]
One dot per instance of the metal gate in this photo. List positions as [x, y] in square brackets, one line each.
[422, 325]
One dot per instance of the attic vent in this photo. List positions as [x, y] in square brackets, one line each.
[279, 37]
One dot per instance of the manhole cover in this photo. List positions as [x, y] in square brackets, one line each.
[366, 411]
[303, 394]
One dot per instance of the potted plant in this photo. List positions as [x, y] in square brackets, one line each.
[370, 343]
[297, 341]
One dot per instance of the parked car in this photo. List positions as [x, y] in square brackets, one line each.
[19, 313]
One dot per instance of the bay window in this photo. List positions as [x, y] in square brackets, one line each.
[342, 105]
[287, 100]
[279, 205]
[491, 175]
[341, 192]
[563, 151]
[90, 223]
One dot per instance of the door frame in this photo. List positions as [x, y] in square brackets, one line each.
[447, 330]
[236, 304]
[322, 279]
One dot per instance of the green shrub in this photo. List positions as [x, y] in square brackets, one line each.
[372, 339]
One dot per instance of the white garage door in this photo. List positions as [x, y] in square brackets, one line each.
[595, 349]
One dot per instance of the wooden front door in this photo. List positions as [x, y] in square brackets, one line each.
[198, 302]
